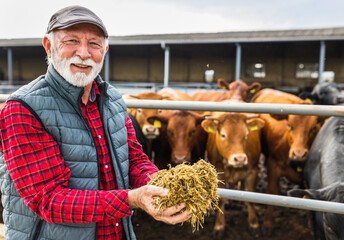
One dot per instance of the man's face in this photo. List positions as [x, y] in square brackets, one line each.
[77, 53]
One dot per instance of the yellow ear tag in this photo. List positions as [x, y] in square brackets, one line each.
[210, 129]
[206, 113]
[223, 87]
[308, 100]
[253, 90]
[304, 196]
[157, 124]
[326, 120]
[254, 128]
[299, 169]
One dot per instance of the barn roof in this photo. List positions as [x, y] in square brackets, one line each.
[326, 34]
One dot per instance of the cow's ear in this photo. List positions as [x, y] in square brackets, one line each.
[156, 120]
[132, 111]
[307, 193]
[254, 87]
[279, 116]
[255, 124]
[210, 125]
[222, 84]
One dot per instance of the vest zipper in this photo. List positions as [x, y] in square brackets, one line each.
[38, 229]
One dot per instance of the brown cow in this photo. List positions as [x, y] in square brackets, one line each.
[237, 90]
[286, 141]
[182, 138]
[141, 115]
[234, 148]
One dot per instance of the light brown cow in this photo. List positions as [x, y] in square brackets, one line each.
[174, 94]
[141, 115]
[237, 90]
[234, 148]
[286, 141]
[182, 138]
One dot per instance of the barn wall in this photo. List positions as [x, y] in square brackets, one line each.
[188, 63]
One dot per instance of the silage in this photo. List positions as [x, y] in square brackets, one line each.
[195, 185]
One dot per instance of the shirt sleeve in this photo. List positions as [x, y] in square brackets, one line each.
[140, 167]
[41, 176]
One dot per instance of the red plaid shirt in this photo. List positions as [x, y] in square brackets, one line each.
[41, 176]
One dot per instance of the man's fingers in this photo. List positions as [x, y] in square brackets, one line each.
[173, 210]
[157, 191]
[178, 218]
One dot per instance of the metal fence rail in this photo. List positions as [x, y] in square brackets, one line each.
[282, 201]
[296, 109]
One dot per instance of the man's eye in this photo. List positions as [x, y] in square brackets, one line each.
[71, 41]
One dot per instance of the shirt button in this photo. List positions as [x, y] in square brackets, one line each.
[106, 166]
[117, 224]
[99, 136]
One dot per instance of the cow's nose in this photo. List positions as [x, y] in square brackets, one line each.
[179, 159]
[238, 160]
[150, 129]
[299, 154]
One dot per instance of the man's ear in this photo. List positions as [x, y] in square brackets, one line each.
[47, 46]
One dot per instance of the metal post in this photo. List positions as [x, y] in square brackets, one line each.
[166, 63]
[10, 65]
[107, 66]
[237, 61]
[322, 60]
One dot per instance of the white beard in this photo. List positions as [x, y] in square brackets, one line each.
[62, 66]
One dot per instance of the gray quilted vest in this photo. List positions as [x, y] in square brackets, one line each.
[56, 104]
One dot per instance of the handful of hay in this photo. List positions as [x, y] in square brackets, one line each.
[195, 185]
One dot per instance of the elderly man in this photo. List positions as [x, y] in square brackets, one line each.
[70, 166]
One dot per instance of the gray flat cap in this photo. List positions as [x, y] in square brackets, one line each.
[72, 15]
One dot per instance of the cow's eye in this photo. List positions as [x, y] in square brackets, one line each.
[289, 127]
[159, 111]
[314, 129]
[139, 111]
[192, 132]
[223, 135]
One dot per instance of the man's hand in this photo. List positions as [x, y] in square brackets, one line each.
[143, 198]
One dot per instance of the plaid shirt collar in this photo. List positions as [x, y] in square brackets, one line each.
[95, 93]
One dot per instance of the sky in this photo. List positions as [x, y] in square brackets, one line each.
[29, 18]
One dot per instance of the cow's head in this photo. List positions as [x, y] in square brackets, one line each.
[231, 131]
[183, 130]
[150, 131]
[327, 93]
[331, 224]
[238, 90]
[301, 131]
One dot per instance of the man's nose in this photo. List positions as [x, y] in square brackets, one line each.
[83, 51]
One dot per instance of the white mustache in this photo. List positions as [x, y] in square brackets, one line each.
[78, 60]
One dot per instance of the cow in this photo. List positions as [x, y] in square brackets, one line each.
[174, 94]
[324, 93]
[182, 138]
[286, 140]
[141, 115]
[233, 147]
[237, 90]
[324, 176]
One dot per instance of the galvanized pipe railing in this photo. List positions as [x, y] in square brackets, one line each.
[295, 109]
[282, 201]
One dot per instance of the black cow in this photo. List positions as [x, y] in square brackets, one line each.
[324, 93]
[324, 175]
